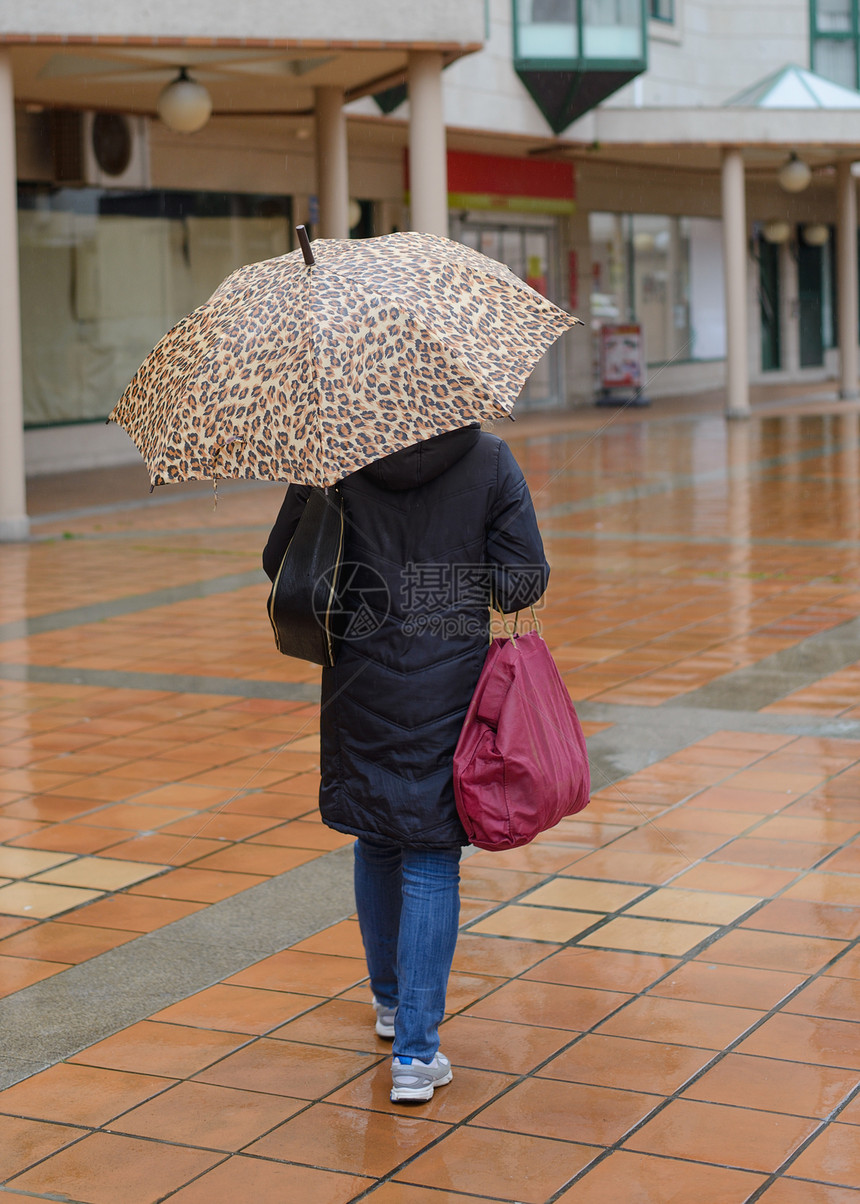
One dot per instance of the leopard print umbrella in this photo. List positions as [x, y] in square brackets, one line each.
[301, 373]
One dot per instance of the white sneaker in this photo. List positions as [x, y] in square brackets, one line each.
[414, 1081]
[384, 1020]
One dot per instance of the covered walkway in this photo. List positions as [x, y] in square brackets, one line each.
[655, 1003]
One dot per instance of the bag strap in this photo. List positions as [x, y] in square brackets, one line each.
[511, 630]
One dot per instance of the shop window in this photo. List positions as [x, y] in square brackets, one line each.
[829, 290]
[530, 249]
[662, 10]
[105, 273]
[769, 297]
[664, 273]
[816, 286]
[835, 39]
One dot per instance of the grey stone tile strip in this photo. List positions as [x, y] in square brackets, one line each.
[717, 541]
[142, 536]
[79, 616]
[641, 735]
[60, 1016]
[189, 492]
[779, 674]
[176, 683]
[261, 530]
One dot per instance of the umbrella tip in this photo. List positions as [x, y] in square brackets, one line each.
[304, 243]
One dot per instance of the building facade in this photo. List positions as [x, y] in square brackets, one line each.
[625, 158]
[728, 94]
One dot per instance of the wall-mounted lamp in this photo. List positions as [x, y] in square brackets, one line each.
[776, 232]
[816, 234]
[184, 105]
[794, 175]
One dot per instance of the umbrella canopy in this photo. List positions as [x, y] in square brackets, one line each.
[304, 373]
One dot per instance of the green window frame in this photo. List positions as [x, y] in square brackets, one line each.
[834, 40]
[572, 54]
[662, 10]
[576, 15]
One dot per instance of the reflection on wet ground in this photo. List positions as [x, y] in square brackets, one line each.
[655, 1001]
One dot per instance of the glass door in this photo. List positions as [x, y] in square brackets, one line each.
[810, 275]
[768, 294]
[530, 252]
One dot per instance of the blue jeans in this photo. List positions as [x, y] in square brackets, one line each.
[408, 904]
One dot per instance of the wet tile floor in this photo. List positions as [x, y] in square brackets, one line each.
[656, 1002]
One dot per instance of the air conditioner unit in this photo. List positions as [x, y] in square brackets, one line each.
[105, 150]
[115, 150]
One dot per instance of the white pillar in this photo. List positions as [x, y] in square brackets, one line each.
[332, 163]
[14, 523]
[846, 278]
[735, 268]
[674, 288]
[428, 171]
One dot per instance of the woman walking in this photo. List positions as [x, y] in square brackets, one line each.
[434, 533]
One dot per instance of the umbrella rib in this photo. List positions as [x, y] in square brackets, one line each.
[316, 378]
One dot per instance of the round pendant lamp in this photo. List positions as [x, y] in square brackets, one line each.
[794, 175]
[184, 106]
[816, 234]
[776, 232]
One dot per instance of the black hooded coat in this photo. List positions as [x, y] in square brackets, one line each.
[430, 532]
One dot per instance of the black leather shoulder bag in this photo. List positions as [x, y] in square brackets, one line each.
[304, 601]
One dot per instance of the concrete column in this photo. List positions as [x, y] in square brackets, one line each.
[428, 170]
[735, 268]
[14, 523]
[674, 290]
[846, 279]
[332, 163]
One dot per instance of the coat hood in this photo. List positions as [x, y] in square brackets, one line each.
[424, 461]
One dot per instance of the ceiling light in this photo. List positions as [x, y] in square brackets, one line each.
[794, 175]
[184, 106]
[776, 232]
[816, 234]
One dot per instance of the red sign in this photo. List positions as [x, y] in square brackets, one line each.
[502, 182]
[506, 176]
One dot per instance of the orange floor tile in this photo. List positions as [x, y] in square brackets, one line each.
[655, 1002]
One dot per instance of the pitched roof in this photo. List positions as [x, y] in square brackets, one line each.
[793, 87]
